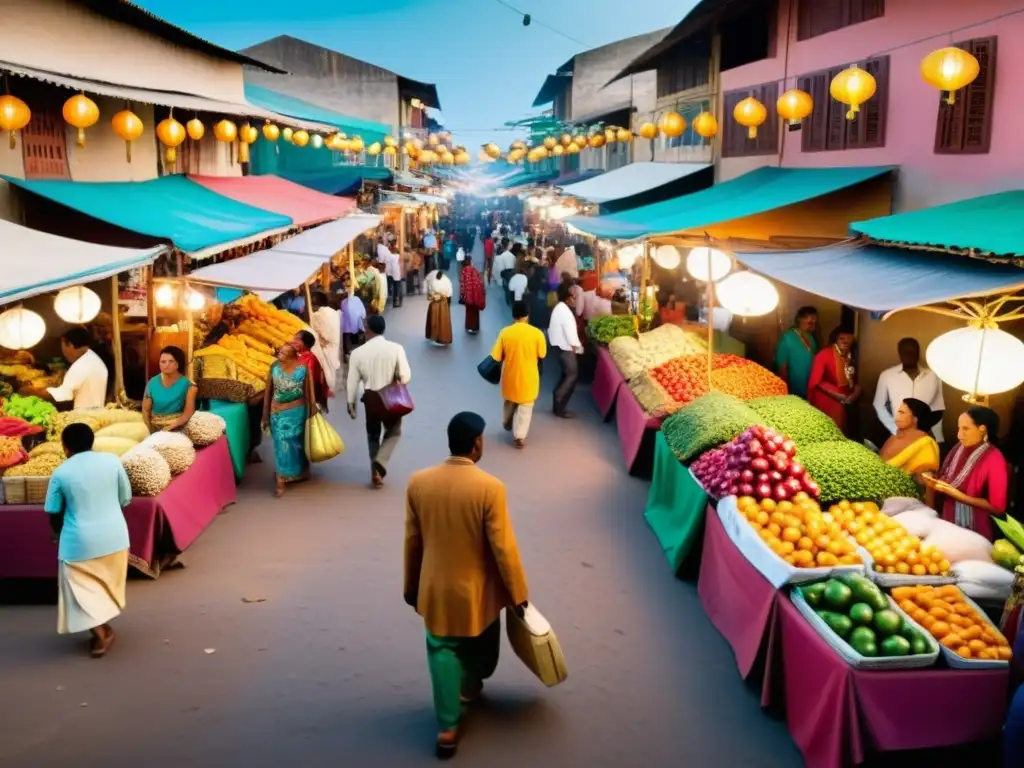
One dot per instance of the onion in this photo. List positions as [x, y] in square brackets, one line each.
[746, 489]
[794, 485]
[789, 447]
[780, 492]
[796, 469]
[760, 465]
[811, 487]
[775, 477]
[734, 490]
[747, 476]
[764, 490]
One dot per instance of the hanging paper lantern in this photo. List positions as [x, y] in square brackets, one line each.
[750, 113]
[448, 158]
[247, 135]
[977, 360]
[549, 142]
[566, 139]
[580, 140]
[462, 157]
[271, 132]
[171, 133]
[794, 105]
[393, 150]
[427, 157]
[493, 151]
[129, 127]
[14, 115]
[747, 295]
[672, 124]
[667, 256]
[195, 129]
[356, 144]
[513, 157]
[21, 328]
[300, 138]
[624, 135]
[288, 134]
[390, 141]
[78, 304]
[558, 150]
[80, 112]
[610, 135]
[705, 125]
[649, 130]
[852, 87]
[572, 149]
[949, 70]
[225, 131]
[597, 140]
[699, 268]
[316, 141]
[374, 149]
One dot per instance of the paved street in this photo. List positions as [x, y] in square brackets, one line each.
[329, 669]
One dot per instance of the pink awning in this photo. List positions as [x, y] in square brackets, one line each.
[301, 204]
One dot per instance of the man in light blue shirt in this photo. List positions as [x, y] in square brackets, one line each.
[85, 500]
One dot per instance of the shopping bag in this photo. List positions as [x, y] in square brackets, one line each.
[322, 441]
[534, 642]
[389, 403]
[490, 369]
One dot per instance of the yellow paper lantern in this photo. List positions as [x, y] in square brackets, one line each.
[225, 131]
[316, 141]
[300, 138]
[356, 144]
[705, 125]
[493, 151]
[391, 150]
[171, 133]
[247, 135]
[374, 149]
[21, 328]
[558, 150]
[343, 144]
[580, 140]
[610, 135]
[14, 115]
[572, 149]
[667, 256]
[624, 135]
[566, 139]
[672, 124]
[77, 304]
[129, 127]
[462, 157]
[271, 132]
[432, 139]
[794, 105]
[708, 264]
[852, 87]
[949, 70]
[448, 158]
[750, 113]
[195, 129]
[287, 134]
[427, 157]
[597, 141]
[390, 141]
[649, 130]
[549, 142]
[80, 112]
[513, 157]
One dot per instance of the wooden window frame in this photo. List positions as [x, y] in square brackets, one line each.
[845, 14]
[826, 129]
[735, 142]
[973, 109]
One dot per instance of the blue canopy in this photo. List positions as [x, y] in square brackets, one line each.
[882, 279]
[174, 208]
[275, 101]
[761, 190]
[338, 180]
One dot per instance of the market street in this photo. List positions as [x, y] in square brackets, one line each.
[286, 640]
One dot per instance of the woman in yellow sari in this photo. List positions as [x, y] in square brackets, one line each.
[912, 448]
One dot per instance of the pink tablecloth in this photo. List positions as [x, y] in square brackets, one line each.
[607, 382]
[159, 528]
[636, 433]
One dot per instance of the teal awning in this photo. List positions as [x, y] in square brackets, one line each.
[529, 177]
[339, 180]
[173, 208]
[992, 225]
[764, 189]
[286, 105]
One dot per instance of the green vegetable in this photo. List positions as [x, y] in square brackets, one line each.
[837, 595]
[32, 409]
[797, 419]
[866, 591]
[1012, 529]
[813, 593]
[847, 470]
[918, 645]
[604, 329]
[861, 613]
[864, 642]
[838, 623]
[888, 622]
[896, 646]
[1005, 554]
[708, 422]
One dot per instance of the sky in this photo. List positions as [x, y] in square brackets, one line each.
[487, 66]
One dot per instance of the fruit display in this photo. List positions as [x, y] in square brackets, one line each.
[847, 470]
[794, 416]
[266, 323]
[12, 426]
[859, 613]
[32, 409]
[708, 422]
[175, 448]
[759, 463]
[1005, 554]
[37, 466]
[135, 431]
[651, 349]
[685, 378]
[747, 382]
[607, 327]
[653, 399]
[147, 471]
[11, 452]
[893, 551]
[1011, 528]
[951, 619]
[797, 531]
[205, 428]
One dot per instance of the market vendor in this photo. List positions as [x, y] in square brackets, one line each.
[796, 350]
[85, 382]
[229, 320]
[913, 448]
[832, 387]
[170, 398]
[672, 312]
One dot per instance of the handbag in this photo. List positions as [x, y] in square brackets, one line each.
[322, 441]
[389, 403]
[490, 369]
[534, 642]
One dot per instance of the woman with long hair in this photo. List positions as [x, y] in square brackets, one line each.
[170, 397]
[439, 312]
[913, 448]
[794, 356]
[472, 295]
[286, 405]
[832, 386]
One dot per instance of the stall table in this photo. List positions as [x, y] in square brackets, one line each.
[159, 528]
[676, 506]
[636, 433]
[608, 380]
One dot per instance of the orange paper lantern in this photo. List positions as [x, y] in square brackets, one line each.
[794, 105]
[80, 112]
[623, 135]
[949, 70]
[705, 125]
[750, 113]
[225, 131]
[648, 130]
[14, 115]
[270, 131]
[195, 129]
[672, 124]
[170, 133]
[853, 87]
[129, 127]
[597, 141]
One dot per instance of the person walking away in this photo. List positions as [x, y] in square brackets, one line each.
[170, 397]
[326, 325]
[85, 382]
[439, 311]
[287, 401]
[489, 259]
[430, 246]
[448, 253]
[563, 336]
[84, 501]
[505, 266]
[303, 343]
[795, 354]
[473, 295]
[909, 379]
[518, 285]
[462, 566]
[393, 272]
[353, 323]
[519, 348]
[375, 365]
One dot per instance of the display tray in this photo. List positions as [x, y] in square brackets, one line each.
[957, 661]
[890, 580]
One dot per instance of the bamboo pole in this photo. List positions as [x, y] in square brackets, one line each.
[325, 277]
[352, 269]
[309, 303]
[150, 313]
[119, 394]
[401, 231]
[189, 352]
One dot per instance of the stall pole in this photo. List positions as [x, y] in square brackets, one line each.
[401, 231]
[325, 277]
[150, 313]
[185, 291]
[711, 320]
[119, 394]
[352, 268]
[643, 284]
[309, 303]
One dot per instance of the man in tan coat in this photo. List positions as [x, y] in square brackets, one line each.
[462, 567]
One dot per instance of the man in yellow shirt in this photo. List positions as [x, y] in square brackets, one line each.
[520, 348]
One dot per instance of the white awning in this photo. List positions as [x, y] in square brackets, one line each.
[326, 240]
[35, 262]
[629, 180]
[411, 180]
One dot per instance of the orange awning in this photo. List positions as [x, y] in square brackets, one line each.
[304, 206]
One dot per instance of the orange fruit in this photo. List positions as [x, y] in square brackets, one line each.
[791, 534]
[952, 640]
[762, 518]
[963, 609]
[778, 518]
[765, 535]
[774, 528]
[949, 591]
[1004, 654]
[919, 615]
[904, 593]
[939, 629]
[805, 544]
[827, 560]
[787, 547]
[918, 569]
[908, 606]
[768, 505]
[789, 559]
[938, 613]
[933, 569]
[902, 567]
[976, 646]
[836, 547]
[964, 651]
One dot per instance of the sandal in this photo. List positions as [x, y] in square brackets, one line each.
[447, 744]
[100, 645]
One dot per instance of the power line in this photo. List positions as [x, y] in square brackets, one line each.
[542, 24]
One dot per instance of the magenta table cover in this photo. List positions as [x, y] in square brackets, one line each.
[607, 381]
[158, 528]
[632, 423]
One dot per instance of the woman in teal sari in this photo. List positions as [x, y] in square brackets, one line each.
[797, 348]
[170, 398]
[286, 404]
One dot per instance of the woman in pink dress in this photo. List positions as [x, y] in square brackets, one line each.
[833, 383]
[971, 485]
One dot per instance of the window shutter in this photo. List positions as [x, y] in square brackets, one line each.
[868, 129]
[814, 130]
[966, 125]
[735, 135]
[44, 147]
[835, 129]
[819, 17]
[768, 133]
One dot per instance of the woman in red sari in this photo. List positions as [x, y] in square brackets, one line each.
[473, 295]
[833, 386]
[971, 486]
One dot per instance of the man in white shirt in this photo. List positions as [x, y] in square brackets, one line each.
[505, 265]
[517, 285]
[375, 365]
[86, 379]
[908, 379]
[383, 252]
[563, 335]
[393, 272]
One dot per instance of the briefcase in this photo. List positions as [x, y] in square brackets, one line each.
[534, 642]
[490, 370]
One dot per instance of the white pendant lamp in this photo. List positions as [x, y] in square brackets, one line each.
[697, 264]
[628, 254]
[667, 256]
[747, 295]
[21, 328]
[77, 305]
[978, 360]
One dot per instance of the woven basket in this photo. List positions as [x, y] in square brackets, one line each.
[14, 490]
[35, 489]
[225, 389]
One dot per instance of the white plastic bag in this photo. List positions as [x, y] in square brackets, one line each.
[919, 522]
[955, 543]
[982, 580]
[899, 504]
